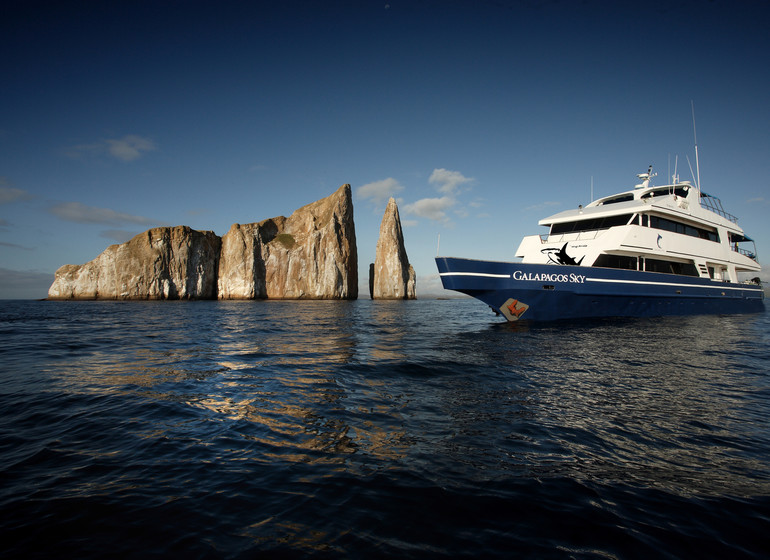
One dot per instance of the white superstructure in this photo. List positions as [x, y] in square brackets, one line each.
[675, 228]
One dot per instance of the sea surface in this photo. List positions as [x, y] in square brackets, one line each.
[377, 429]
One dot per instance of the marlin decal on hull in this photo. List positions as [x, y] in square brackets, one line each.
[561, 256]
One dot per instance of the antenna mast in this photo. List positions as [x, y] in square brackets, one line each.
[675, 177]
[695, 136]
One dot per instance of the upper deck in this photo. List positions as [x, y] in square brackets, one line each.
[676, 222]
[680, 199]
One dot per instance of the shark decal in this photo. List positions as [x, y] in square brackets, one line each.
[560, 256]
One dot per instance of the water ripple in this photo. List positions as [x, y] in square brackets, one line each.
[408, 429]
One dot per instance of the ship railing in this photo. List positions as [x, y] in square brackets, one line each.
[572, 236]
[715, 205]
[752, 254]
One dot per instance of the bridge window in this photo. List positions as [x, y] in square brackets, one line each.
[592, 224]
[670, 267]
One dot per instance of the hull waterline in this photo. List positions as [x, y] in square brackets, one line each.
[544, 292]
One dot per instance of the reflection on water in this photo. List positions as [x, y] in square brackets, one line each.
[299, 406]
[644, 401]
[654, 402]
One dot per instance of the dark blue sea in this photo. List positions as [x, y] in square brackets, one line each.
[418, 429]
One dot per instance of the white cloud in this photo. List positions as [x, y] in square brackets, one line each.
[431, 208]
[379, 191]
[127, 148]
[448, 182]
[130, 147]
[83, 214]
[8, 194]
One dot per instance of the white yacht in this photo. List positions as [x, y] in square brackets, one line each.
[651, 250]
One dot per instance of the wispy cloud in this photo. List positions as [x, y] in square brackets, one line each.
[83, 214]
[431, 208]
[15, 246]
[379, 191]
[757, 200]
[9, 194]
[449, 182]
[128, 148]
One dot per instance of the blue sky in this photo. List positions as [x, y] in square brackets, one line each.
[479, 117]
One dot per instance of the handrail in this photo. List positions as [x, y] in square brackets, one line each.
[746, 252]
[715, 205]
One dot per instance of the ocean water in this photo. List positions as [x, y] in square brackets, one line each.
[422, 429]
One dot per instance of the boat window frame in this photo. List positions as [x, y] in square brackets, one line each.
[675, 226]
[679, 190]
[625, 197]
[644, 263]
[591, 224]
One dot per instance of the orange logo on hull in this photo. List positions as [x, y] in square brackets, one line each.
[513, 309]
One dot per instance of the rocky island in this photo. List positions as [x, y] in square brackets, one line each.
[161, 263]
[311, 254]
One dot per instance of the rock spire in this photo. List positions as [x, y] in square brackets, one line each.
[391, 276]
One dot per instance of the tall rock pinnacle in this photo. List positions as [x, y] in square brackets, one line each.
[391, 276]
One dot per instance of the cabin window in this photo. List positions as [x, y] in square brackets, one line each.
[622, 198]
[616, 261]
[670, 267]
[592, 224]
[664, 191]
[658, 222]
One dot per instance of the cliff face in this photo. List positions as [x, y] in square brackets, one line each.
[161, 263]
[242, 272]
[391, 276]
[311, 254]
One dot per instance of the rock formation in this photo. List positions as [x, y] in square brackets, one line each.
[161, 263]
[391, 276]
[311, 254]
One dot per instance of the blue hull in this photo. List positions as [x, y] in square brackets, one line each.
[545, 292]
